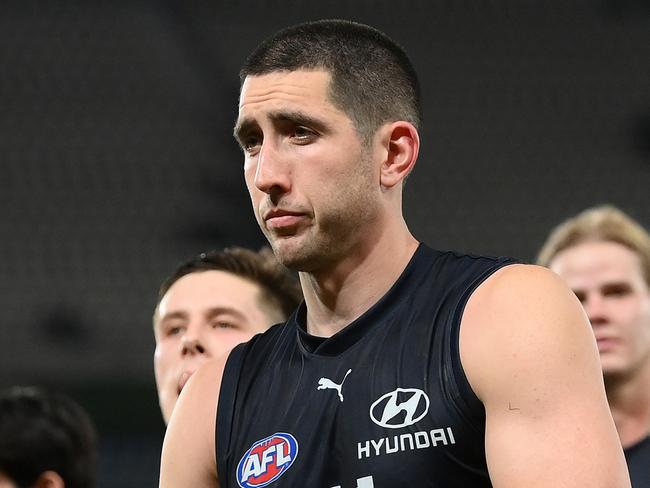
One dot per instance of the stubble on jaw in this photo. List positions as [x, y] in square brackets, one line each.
[335, 235]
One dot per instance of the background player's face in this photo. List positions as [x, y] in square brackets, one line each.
[312, 182]
[607, 279]
[203, 315]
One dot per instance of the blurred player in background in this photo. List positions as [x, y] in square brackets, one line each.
[46, 441]
[604, 256]
[209, 305]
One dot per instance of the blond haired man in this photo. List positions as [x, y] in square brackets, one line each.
[604, 256]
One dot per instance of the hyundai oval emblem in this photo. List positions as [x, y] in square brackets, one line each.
[399, 408]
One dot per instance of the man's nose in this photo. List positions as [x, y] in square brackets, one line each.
[192, 343]
[272, 175]
[595, 308]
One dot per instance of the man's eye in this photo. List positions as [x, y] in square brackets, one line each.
[251, 144]
[172, 331]
[222, 324]
[616, 290]
[303, 133]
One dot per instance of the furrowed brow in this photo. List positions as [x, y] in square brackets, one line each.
[296, 117]
[242, 129]
[300, 118]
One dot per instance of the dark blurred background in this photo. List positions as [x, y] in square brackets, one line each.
[117, 161]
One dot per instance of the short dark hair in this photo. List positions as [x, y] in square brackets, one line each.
[41, 431]
[279, 286]
[373, 80]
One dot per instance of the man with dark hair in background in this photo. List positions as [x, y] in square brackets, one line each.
[210, 304]
[46, 441]
[404, 366]
[604, 256]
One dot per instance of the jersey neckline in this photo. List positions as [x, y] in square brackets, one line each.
[353, 332]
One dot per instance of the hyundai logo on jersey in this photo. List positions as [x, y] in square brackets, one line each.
[400, 408]
[267, 460]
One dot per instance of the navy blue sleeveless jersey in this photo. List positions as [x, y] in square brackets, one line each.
[638, 462]
[384, 403]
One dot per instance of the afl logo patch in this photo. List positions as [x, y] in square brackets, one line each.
[399, 408]
[267, 460]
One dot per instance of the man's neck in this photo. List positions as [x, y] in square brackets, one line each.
[337, 296]
[629, 401]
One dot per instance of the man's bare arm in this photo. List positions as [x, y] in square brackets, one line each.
[530, 356]
[188, 455]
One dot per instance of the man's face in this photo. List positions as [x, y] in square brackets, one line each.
[312, 182]
[203, 315]
[607, 279]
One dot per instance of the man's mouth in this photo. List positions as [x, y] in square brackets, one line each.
[606, 343]
[279, 219]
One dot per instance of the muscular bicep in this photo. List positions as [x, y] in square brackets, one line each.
[530, 355]
[188, 455]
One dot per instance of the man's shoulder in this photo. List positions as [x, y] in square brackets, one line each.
[458, 259]
[521, 282]
[460, 271]
[522, 311]
[455, 255]
[522, 290]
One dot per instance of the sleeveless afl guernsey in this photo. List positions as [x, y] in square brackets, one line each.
[384, 403]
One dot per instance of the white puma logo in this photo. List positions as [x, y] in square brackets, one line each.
[324, 383]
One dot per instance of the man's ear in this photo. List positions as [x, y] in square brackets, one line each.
[49, 479]
[402, 143]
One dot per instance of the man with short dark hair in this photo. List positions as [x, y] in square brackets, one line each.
[404, 366]
[46, 441]
[604, 256]
[210, 304]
